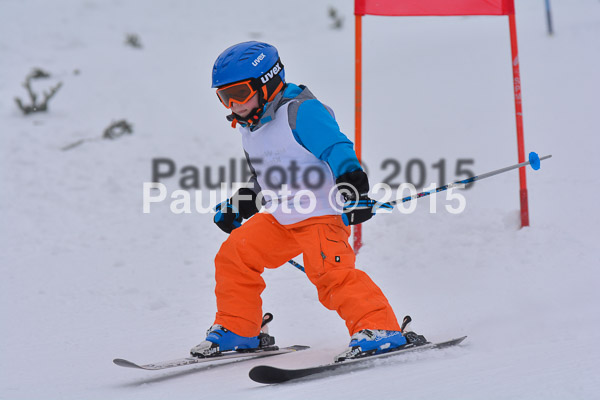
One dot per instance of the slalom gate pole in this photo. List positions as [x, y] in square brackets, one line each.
[534, 161]
[358, 110]
[549, 18]
[514, 49]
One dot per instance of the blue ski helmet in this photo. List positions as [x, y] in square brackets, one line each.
[255, 61]
[248, 60]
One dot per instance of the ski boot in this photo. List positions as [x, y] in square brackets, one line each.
[368, 342]
[220, 339]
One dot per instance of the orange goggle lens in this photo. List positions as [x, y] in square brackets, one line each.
[239, 92]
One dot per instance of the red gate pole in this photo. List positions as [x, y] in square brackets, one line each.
[358, 110]
[519, 117]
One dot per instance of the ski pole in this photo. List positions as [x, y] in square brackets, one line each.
[297, 265]
[534, 160]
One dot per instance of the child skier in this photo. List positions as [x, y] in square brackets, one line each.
[285, 129]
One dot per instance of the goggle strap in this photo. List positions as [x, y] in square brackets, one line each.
[264, 90]
[270, 73]
[276, 91]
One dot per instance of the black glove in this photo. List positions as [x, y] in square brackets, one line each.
[231, 213]
[354, 187]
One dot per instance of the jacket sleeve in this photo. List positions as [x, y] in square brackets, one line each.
[316, 129]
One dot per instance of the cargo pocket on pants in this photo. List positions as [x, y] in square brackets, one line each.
[335, 249]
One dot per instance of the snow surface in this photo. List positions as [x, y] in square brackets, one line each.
[87, 277]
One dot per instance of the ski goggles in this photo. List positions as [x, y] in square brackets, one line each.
[239, 92]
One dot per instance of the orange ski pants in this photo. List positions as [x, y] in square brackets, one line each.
[262, 242]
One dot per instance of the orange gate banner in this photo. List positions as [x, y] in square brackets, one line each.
[433, 7]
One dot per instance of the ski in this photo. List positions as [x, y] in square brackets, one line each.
[267, 374]
[233, 356]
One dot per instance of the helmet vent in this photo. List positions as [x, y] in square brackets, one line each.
[251, 52]
[227, 59]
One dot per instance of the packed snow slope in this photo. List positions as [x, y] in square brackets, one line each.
[87, 276]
